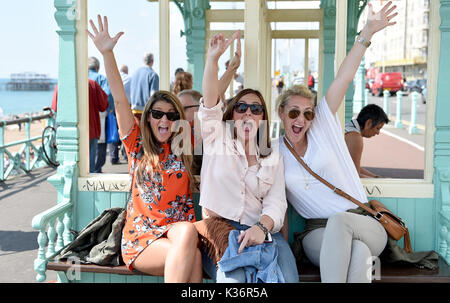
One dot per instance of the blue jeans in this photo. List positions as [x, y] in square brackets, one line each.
[92, 154]
[113, 152]
[101, 157]
[286, 261]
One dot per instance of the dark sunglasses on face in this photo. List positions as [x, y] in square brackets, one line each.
[171, 116]
[241, 108]
[308, 114]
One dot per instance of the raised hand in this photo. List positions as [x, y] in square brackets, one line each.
[101, 38]
[218, 45]
[236, 61]
[382, 19]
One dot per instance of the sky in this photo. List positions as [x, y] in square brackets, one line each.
[30, 42]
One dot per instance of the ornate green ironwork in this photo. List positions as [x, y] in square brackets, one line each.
[30, 156]
[194, 16]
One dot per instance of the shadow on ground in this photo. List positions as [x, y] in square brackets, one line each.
[12, 241]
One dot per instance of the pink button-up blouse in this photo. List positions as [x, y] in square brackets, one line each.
[228, 186]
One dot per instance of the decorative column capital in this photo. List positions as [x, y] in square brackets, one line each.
[66, 15]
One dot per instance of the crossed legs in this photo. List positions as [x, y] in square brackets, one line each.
[344, 248]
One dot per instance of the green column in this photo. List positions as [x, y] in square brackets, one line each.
[328, 37]
[441, 177]
[67, 133]
[360, 86]
[67, 116]
[193, 12]
[355, 9]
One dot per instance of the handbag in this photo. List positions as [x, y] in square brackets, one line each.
[111, 132]
[213, 234]
[394, 226]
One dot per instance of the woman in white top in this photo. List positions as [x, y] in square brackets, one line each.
[242, 179]
[344, 247]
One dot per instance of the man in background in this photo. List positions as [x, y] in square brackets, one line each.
[125, 80]
[369, 122]
[98, 102]
[144, 82]
[94, 67]
[191, 101]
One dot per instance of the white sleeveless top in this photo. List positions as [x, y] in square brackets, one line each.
[327, 155]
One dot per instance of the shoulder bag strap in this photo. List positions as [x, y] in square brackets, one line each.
[332, 187]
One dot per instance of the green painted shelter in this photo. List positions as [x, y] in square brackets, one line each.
[423, 203]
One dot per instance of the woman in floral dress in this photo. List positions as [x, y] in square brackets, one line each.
[158, 237]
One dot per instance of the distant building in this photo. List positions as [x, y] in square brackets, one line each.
[30, 82]
[404, 48]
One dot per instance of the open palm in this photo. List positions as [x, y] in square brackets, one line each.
[101, 38]
[380, 20]
[219, 44]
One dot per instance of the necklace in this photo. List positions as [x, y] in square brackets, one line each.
[305, 179]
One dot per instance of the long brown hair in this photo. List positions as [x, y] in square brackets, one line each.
[263, 129]
[183, 81]
[151, 146]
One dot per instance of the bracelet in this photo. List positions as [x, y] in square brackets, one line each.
[363, 41]
[263, 228]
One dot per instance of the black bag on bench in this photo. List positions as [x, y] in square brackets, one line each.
[99, 242]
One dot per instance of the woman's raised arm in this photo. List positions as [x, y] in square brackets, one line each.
[105, 44]
[348, 68]
[226, 78]
[210, 84]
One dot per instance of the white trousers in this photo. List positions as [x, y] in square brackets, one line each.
[345, 248]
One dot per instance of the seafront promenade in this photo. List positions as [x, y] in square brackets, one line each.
[21, 198]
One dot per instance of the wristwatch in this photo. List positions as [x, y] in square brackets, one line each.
[263, 228]
[363, 41]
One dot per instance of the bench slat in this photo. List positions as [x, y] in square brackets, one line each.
[308, 273]
[391, 273]
[119, 270]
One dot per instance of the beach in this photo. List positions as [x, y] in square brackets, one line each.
[12, 134]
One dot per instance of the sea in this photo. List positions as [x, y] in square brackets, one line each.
[18, 103]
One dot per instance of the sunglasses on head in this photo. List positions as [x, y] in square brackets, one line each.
[241, 108]
[308, 114]
[171, 116]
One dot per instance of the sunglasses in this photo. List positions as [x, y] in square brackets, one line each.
[241, 108]
[171, 116]
[308, 114]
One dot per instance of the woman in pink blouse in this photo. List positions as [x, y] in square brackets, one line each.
[242, 178]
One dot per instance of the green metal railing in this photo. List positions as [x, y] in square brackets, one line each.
[29, 156]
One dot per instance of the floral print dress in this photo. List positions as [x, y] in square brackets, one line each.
[160, 201]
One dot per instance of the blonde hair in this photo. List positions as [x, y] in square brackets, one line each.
[296, 90]
[150, 145]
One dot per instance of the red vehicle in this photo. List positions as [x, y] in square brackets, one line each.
[386, 81]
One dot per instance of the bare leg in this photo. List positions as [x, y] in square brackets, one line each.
[197, 271]
[176, 257]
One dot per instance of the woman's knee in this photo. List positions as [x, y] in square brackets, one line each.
[339, 220]
[185, 234]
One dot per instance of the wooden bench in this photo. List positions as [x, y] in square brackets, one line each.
[57, 220]
[390, 273]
